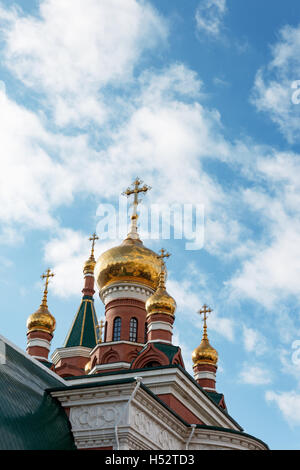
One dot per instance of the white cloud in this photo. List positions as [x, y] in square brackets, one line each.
[66, 253]
[288, 403]
[190, 296]
[209, 17]
[273, 92]
[74, 49]
[254, 341]
[255, 375]
[269, 274]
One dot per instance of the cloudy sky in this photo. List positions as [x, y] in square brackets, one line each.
[201, 100]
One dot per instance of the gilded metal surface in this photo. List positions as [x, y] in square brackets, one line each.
[89, 266]
[160, 302]
[41, 320]
[205, 354]
[129, 262]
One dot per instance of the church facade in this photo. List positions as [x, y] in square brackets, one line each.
[126, 387]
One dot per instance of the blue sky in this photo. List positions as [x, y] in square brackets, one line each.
[196, 99]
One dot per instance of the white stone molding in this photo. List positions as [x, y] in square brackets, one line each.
[125, 290]
[174, 381]
[205, 375]
[113, 365]
[160, 325]
[223, 440]
[147, 424]
[94, 413]
[41, 343]
[74, 351]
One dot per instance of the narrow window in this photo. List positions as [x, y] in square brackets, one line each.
[117, 329]
[133, 330]
[146, 333]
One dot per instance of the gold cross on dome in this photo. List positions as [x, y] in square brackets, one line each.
[204, 311]
[100, 328]
[136, 190]
[164, 254]
[47, 277]
[93, 239]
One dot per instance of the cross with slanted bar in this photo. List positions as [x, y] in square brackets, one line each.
[47, 277]
[93, 239]
[137, 189]
[204, 311]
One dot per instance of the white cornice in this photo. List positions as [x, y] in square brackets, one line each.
[113, 365]
[143, 422]
[114, 343]
[74, 351]
[173, 380]
[125, 290]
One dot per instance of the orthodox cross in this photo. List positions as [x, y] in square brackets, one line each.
[93, 239]
[204, 311]
[136, 190]
[47, 277]
[163, 254]
[100, 328]
[162, 277]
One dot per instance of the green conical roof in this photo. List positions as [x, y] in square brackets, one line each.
[83, 332]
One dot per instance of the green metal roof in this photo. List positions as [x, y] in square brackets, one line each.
[30, 419]
[83, 331]
[168, 349]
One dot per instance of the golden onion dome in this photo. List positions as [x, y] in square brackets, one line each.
[89, 266]
[205, 353]
[161, 301]
[129, 262]
[41, 320]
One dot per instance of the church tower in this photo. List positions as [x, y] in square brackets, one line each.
[40, 327]
[160, 309]
[205, 358]
[74, 356]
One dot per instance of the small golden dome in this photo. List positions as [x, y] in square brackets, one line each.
[41, 320]
[161, 301]
[205, 354]
[89, 266]
[129, 262]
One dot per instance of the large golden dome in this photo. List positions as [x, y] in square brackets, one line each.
[41, 320]
[129, 262]
[205, 354]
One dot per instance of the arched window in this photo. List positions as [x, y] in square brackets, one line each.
[146, 333]
[117, 329]
[133, 330]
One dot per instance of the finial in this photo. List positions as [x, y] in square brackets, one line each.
[47, 277]
[100, 328]
[162, 276]
[204, 311]
[93, 239]
[137, 189]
